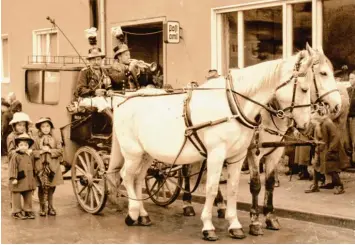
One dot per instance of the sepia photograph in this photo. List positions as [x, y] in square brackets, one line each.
[177, 121]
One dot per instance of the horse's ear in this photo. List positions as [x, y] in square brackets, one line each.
[310, 50]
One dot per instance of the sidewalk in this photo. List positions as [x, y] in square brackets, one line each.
[290, 201]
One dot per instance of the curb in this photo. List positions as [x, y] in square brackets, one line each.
[322, 219]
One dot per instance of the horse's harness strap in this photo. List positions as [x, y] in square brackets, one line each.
[191, 131]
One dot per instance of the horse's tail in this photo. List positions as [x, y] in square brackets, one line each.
[116, 158]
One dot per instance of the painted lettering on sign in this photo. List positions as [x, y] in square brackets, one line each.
[172, 32]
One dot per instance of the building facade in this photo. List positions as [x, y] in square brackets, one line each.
[219, 34]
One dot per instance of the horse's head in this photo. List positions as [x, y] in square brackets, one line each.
[324, 88]
[293, 95]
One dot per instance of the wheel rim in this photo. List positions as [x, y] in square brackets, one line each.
[169, 190]
[88, 181]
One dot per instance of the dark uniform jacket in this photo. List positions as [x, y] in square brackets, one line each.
[53, 158]
[351, 92]
[21, 167]
[88, 82]
[118, 75]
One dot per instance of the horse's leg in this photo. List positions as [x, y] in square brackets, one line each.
[234, 169]
[128, 173]
[221, 206]
[254, 187]
[214, 169]
[143, 219]
[186, 197]
[273, 159]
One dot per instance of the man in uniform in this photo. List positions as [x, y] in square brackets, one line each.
[94, 84]
[119, 72]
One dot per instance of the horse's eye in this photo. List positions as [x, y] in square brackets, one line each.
[323, 73]
[304, 90]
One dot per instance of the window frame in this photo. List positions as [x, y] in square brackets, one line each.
[287, 27]
[2, 78]
[37, 51]
[43, 71]
[142, 22]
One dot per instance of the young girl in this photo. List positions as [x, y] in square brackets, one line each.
[21, 176]
[19, 123]
[48, 152]
[327, 158]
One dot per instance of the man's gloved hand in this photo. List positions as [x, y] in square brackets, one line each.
[109, 93]
[14, 181]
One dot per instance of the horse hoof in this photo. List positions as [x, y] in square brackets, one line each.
[144, 221]
[237, 233]
[273, 224]
[189, 211]
[255, 230]
[209, 235]
[221, 213]
[129, 221]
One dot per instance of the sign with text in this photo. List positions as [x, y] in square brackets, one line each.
[172, 32]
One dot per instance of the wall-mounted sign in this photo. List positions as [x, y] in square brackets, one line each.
[171, 32]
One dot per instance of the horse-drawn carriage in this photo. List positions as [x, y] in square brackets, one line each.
[93, 173]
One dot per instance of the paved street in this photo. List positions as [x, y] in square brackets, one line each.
[72, 225]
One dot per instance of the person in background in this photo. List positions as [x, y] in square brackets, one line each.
[6, 129]
[326, 158]
[351, 116]
[21, 177]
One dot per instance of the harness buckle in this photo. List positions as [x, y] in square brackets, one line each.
[188, 132]
[280, 114]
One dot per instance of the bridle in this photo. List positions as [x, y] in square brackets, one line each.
[319, 104]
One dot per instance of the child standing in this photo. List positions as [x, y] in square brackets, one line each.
[48, 152]
[19, 123]
[327, 158]
[21, 176]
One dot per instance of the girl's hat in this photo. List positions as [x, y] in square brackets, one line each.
[20, 117]
[24, 137]
[42, 120]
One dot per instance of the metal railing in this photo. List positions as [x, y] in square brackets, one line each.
[62, 60]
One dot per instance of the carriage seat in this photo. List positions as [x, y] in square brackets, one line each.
[87, 123]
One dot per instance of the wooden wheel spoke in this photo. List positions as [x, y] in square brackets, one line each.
[155, 183]
[163, 189]
[82, 171]
[97, 199]
[98, 189]
[84, 187]
[83, 163]
[167, 187]
[92, 198]
[87, 196]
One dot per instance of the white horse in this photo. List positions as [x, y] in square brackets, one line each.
[155, 126]
[323, 90]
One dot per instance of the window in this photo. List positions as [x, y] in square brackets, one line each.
[5, 61]
[45, 45]
[339, 35]
[43, 87]
[256, 32]
[263, 35]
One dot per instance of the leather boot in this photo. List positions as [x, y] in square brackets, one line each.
[42, 211]
[51, 211]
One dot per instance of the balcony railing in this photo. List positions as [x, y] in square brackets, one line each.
[62, 60]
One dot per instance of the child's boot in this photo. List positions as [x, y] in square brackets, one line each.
[42, 210]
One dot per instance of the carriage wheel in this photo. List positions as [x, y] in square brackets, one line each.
[88, 181]
[169, 190]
